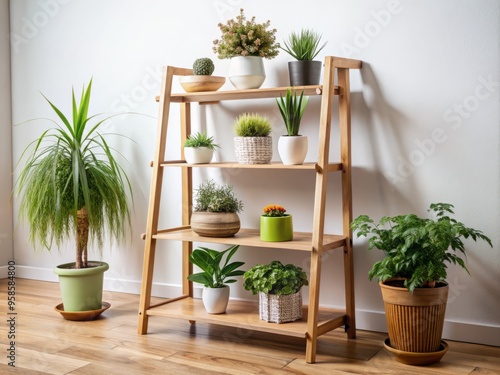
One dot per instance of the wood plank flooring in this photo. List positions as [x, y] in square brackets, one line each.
[48, 344]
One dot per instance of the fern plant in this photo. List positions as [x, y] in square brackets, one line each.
[72, 185]
[417, 249]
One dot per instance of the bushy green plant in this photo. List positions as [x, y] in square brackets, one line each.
[200, 140]
[71, 184]
[417, 249]
[214, 274]
[242, 37]
[212, 197]
[303, 46]
[275, 278]
[291, 110]
[252, 125]
[203, 67]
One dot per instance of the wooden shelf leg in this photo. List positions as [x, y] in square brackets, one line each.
[312, 317]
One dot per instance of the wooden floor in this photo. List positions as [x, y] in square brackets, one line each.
[48, 344]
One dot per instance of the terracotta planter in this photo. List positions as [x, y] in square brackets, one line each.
[415, 321]
[215, 224]
[276, 229]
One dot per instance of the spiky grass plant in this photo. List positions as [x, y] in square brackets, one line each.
[252, 125]
[72, 184]
[200, 140]
[303, 46]
[292, 109]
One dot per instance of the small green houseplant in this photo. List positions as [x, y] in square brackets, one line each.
[215, 212]
[215, 274]
[72, 186]
[412, 275]
[292, 147]
[253, 143]
[279, 288]
[304, 47]
[199, 148]
[243, 37]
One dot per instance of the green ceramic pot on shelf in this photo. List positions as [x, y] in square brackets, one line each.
[276, 229]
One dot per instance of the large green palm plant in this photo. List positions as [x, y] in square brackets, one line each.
[73, 185]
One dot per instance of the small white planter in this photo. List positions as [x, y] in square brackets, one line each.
[215, 300]
[292, 149]
[198, 155]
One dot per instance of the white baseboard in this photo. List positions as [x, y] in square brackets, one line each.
[365, 319]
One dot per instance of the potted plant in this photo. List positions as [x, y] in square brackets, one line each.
[215, 276]
[72, 186]
[275, 224]
[292, 147]
[304, 47]
[412, 275]
[246, 43]
[279, 288]
[199, 148]
[253, 144]
[215, 213]
[202, 78]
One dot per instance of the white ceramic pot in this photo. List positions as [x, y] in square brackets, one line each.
[246, 72]
[215, 300]
[198, 155]
[292, 149]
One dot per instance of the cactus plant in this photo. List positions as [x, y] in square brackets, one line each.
[203, 67]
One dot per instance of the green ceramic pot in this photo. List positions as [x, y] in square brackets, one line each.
[276, 229]
[81, 289]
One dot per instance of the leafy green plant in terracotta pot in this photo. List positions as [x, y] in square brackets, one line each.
[215, 212]
[253, 143]
[279, 289]
[71, 186]
[246, 43]
[304, 47]
[199, 148]
[215, 274]
[412, 274]
[275, 224]
[292, 147]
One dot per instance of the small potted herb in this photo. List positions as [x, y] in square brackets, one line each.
[215, 213]
[412, 274]
[199, 148]
[292, 147]
[279, 288]
[253, 144]
[215, 275]
[304, 47]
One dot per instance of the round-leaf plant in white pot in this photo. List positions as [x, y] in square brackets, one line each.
[215, 275]
[72, 186]
[199, 148]
[292, 147]
[412, 276]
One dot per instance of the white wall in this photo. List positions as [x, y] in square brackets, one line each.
[6, 249]
[425, 123]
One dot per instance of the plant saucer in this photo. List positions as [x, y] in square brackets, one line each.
[81, 315]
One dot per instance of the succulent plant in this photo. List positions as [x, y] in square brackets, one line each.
[203, 67]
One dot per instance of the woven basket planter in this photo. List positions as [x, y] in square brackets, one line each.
[253, 150]
[415, 321]
[280, 308]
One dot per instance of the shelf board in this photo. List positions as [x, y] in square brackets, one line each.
[250, 237]
[332, 167]
[263, 93]
[245, 314]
